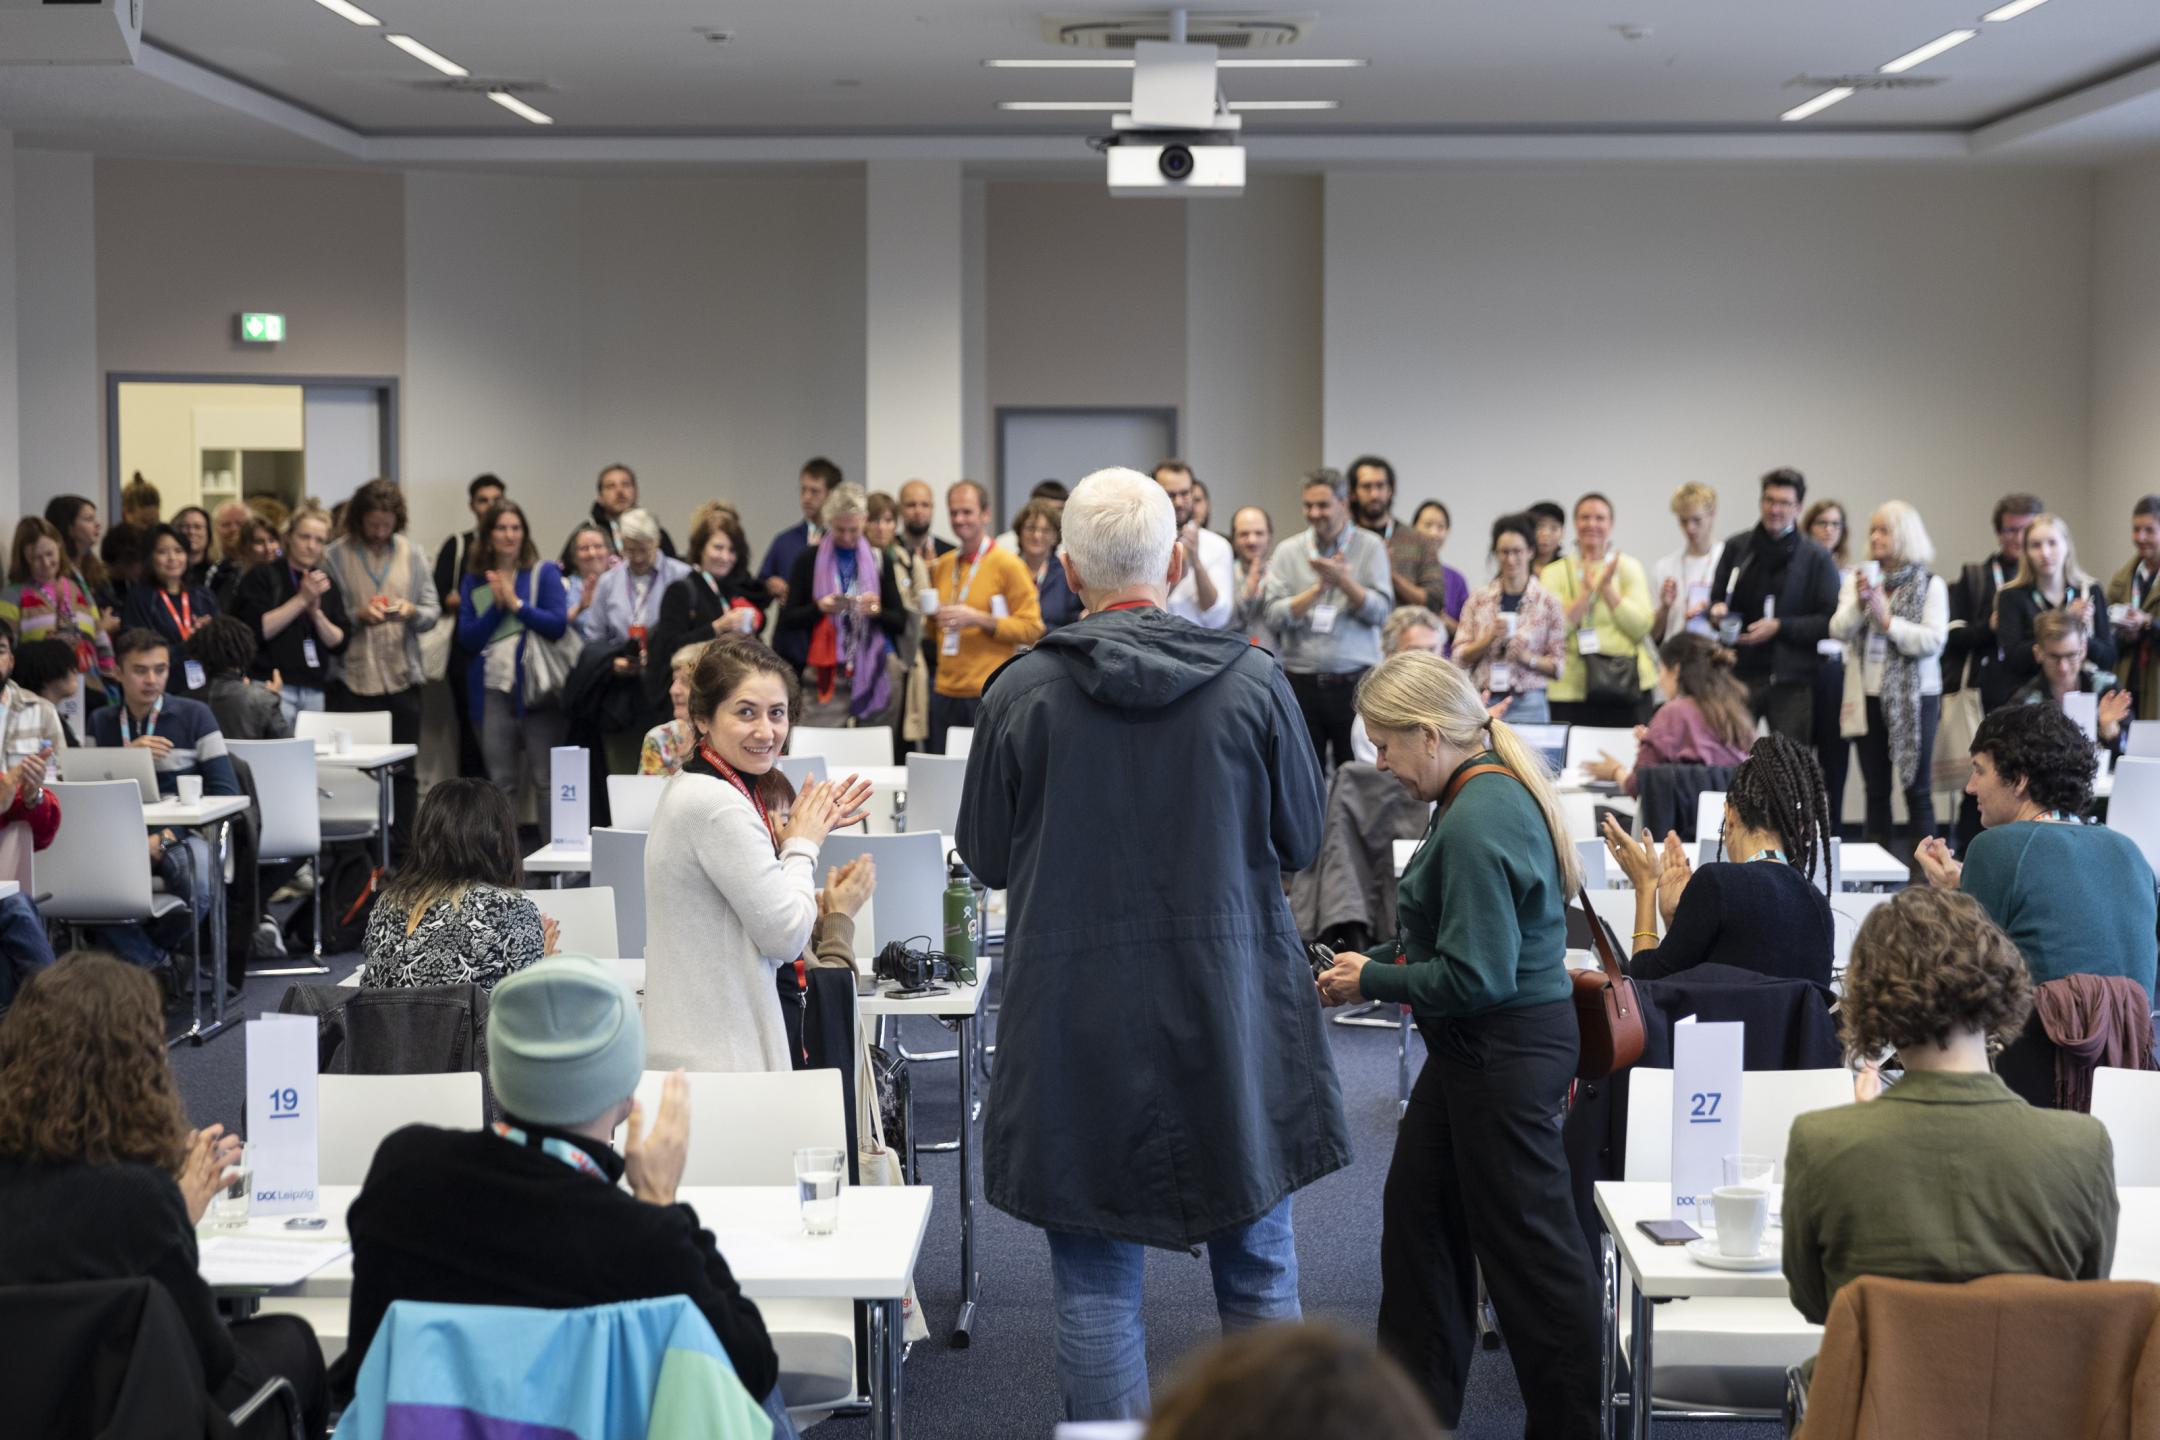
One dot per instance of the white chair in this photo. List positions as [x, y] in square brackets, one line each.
[368, 727]
[586, 918]
[618, 863]
[632, 973]
[292, 828]
[77, 879]
[845, 749]
[802, 769]
[1709, 814]
[1722, 1353]
[355, 1113]
[2127, 1102]
[959, 741]
[1586, 742]
[908, 904]
[631, 799]
[1592, 855]
[351, 800]
[746, 1130]
[2143, 742]
[934, 786]
[1848, 911]
[2134, 808]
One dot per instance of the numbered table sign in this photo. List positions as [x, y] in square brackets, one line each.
[569, 807]
[282, 1118]
[1706, 1113]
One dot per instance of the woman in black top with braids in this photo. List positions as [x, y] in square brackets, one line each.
[1757, 910]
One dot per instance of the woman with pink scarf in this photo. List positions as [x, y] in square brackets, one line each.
[844, 597]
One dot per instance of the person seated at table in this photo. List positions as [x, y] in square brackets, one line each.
[1704, 721]
[668, 744]
[455, 913]
[1306, 1380]
[183, 738]
[50, 671]
[1945, 1176]
[731, 893]
[2060, 644]
[2076, 899]
[246, 708]
[530, 1211]
[101, 1177]
[1757, 909]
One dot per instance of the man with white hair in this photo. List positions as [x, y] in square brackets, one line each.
[1164, 1079]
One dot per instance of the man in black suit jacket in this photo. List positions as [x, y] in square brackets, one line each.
[1782, 588]
[1971, 655]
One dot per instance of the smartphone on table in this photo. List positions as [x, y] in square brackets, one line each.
[1668, 1232]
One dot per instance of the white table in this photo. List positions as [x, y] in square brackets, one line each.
[1664, 1272]
[209, 815]
[871, 1258]
[556, 861]
[963, 1005]
[381, 761]
[1862, 862]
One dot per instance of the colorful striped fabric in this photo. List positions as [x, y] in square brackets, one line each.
[640, 1370]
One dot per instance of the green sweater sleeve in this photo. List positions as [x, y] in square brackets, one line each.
[1461, 888]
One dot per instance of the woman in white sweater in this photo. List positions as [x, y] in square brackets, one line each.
[1894, 617]
[731, 892]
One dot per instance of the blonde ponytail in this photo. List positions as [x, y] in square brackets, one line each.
[1417, 690]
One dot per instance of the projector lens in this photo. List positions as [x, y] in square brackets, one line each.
[1176, 163]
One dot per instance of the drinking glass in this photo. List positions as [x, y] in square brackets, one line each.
[229, 1207]
[819, 1174]
[1756, 1171]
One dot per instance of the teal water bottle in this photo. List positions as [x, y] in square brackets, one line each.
[960, 920]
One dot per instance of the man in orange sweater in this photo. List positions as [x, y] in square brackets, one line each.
[987, 611]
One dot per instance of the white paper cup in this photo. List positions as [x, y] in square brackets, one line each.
[1872, 569]
[341, 742]
[190, 788]
[1743, 1211]
[926, 601]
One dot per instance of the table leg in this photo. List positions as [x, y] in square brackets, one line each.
[1609, 1337]
[382, 814]
[218, 927]
[887, 1335]
[963, 1325]
[1639, 1373]
[880, 1395]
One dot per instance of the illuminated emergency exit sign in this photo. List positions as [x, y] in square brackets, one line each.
[260, 327]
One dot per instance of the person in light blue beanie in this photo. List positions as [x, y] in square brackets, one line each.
[566, 1044]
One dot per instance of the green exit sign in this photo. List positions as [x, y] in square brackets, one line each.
[259, 327]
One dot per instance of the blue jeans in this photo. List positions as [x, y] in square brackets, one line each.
[295, 698]
[24, 948]
[186, 873]
[1101, 1342]
[1530, 708]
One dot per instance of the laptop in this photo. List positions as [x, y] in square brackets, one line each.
[107, 762]
[1550, 739]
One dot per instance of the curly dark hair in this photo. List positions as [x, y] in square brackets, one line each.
[375, 495]
[83, 1077]
[1308, 1380]
[1926, 965]
[225, 646]
[1779, 788]
[2042, 746]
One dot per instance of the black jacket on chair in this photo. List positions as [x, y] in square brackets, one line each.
[1666, 796]
[102, 1358]
[1805, 603]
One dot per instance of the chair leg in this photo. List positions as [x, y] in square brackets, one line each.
[315, 897]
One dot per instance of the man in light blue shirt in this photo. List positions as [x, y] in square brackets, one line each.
[1336, 591]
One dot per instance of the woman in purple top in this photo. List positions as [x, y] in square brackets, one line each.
[1706, 722]
[1432, 519]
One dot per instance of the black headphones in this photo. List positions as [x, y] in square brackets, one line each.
[914, 970]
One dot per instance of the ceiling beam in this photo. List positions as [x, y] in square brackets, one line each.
[2051, 118]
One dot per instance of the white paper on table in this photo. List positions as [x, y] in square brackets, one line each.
[282, 1116]
[1707, 1062]
[244, 1260]
[569, 807]
[2084, 712]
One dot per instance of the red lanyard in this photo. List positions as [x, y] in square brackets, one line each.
[1127, 605]
[184, 617]
[727, 773]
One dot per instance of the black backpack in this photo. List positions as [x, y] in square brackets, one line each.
[351, 884]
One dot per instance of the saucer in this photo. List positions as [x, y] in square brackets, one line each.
[1706, 1252]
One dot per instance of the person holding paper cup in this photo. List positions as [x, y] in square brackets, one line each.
[1512, 634]
[103, 1178]
[844, 613]
[2073, 684]
[1479, 1180]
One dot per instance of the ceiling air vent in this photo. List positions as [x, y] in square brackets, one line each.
[1870, 81]
[1227, 32]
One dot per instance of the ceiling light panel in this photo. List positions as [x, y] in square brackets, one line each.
[519, 108]
[1819, 104]
[1100, 107]
[1928, 51]
[348, 11]
[426, 56]
[2014, 9]
[1219, 64]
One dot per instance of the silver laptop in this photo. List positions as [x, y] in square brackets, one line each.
[106, 762]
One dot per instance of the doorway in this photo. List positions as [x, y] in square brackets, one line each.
[1064, 443]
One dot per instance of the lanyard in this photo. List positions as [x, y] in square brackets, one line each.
[184, 617]
[562, 1150]
[1768, 853]
[960, 594]
[727, 773]
[638, 597]
[1128, 605]
[127, 729]
[378, 578]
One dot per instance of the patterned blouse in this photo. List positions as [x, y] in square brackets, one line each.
[478, 939]
[1540, 632]
[59, 611]
[666, 748]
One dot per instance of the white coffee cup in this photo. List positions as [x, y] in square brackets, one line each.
[926, 601]
[341, 742]
[189, 788]
[1872, 569]
[1743, 1211]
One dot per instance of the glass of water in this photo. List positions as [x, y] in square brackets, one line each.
[229, 1207]
[819, 1174]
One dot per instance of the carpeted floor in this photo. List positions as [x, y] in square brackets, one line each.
[1003, 1387]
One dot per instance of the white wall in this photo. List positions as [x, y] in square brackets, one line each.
[10, 400]
[2126, 359]
[1511, 336]
[56, 326]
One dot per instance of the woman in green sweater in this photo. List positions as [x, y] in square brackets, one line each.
[1478, 1177]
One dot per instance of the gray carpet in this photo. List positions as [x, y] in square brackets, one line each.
[1003, 1386]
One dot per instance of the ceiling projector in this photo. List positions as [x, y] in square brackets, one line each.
[1178, 139]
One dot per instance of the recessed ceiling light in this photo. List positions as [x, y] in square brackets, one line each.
[358, 16]
[519, 108]
[2014, 9]
[426, 56]
[1220, 64]
[1821, 102]
[1928, 51]
[1285, 104]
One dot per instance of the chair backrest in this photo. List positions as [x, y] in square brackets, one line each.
[2127, 1102]
[1848, 911]
[802, 769]
[2143, 742]
[1587, 742]
[2134, 808]
[618, 864]
[745, 1127]
[934, 785]
[97, 868]
[631, 799]
[959, 741]
[285, 769]
[355, 1113]
[368, 727]
[1709, 814]
[844, 749]
[586, 917]
[1769, 1101]
[115, 1358]
[909, 902]
[112, 763]
[1592, 855]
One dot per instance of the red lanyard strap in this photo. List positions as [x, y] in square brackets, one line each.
[727, 773]
[184, 617]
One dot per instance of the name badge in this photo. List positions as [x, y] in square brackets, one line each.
[1502, 678]
[1878, 647]
[1587, 642]
[195, 677]
[1323, 618]
[307, 652]
[952, 643]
